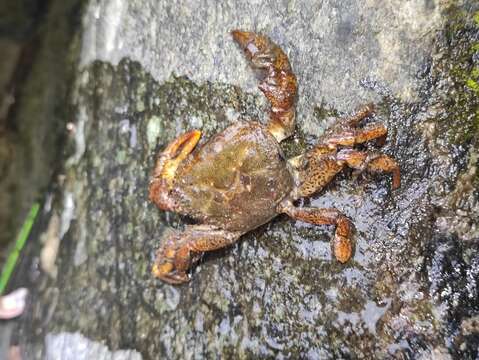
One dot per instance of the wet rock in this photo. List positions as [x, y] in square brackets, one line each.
[411, 289]
[73, 346]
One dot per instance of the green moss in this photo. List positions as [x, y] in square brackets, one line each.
[476, 18]
[324, 111]
[471, 82]
[121, 157]
[473, 85]
[459, 121]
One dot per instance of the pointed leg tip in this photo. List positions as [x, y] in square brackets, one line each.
[396, 179]
[342, 249]
[395, 185]
[343, 258]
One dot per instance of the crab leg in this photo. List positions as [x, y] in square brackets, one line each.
[166, 165]
[346, 132]
[182, 249]
[374, 162]
[360, 115]
[315, 171]
[319, 166]
[278, 82]
[351, 136]
[341, 243]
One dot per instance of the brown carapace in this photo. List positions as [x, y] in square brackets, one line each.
[239, 179]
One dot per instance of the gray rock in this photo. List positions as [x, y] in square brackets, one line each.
[149, 71]
[74, 346]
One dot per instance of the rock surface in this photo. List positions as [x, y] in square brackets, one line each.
[149, 71]
[34, 91]
[68, 346]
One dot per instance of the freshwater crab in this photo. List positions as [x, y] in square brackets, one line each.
[239, 179]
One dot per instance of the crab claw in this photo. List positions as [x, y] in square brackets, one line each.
[243, 38]
[175, 153]
[173, 259]
[278, 82]
[258, 49]
[165, 271]
[166, 166]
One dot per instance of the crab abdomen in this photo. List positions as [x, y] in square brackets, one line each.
[235, 180]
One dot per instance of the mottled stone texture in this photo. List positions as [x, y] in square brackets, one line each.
[37, 42]
[411, 290]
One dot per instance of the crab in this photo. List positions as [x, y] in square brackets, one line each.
[239, 179]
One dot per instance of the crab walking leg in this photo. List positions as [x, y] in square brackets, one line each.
[319, 166]
[353, 136]
[315, 170]
[341, 243]
[360, 115]
[183, 249]
[278, 82]
[374, 162]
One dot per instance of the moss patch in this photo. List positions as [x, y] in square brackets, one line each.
[458, 74]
